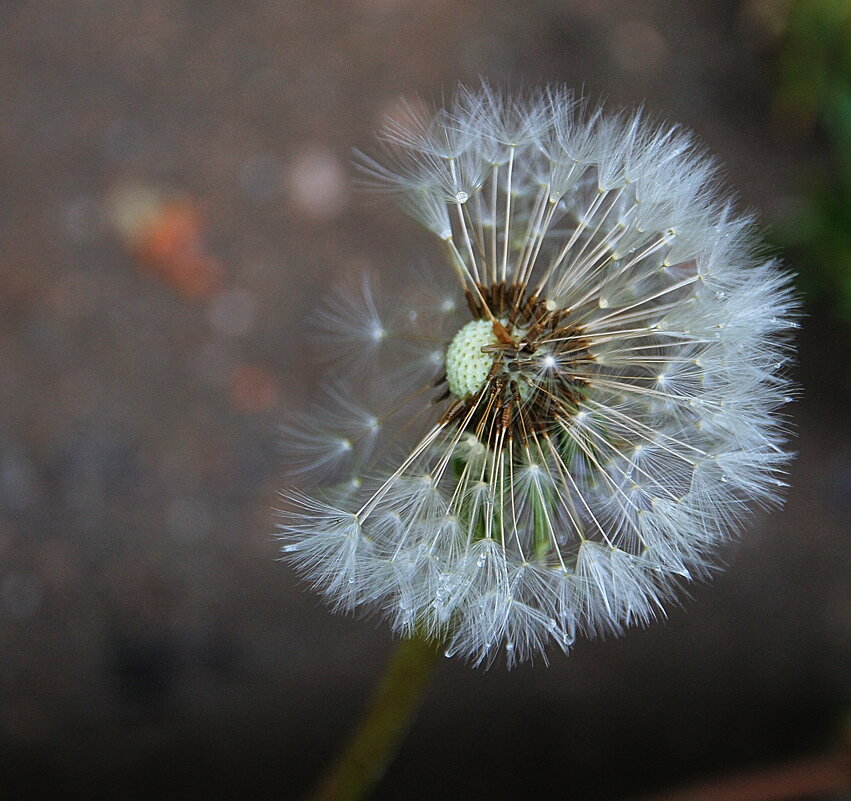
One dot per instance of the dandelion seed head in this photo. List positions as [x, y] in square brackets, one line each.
[557, 437]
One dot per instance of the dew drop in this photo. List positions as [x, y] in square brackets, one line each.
[461, 196]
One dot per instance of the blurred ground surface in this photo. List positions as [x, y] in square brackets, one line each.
[175, 197]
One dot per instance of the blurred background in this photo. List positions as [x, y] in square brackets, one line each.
[175, 198]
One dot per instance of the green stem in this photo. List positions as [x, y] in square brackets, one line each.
[391, 710]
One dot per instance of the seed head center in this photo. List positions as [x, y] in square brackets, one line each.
[518, 367]
[467, 363]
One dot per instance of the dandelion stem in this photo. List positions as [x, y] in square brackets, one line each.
[391, 710]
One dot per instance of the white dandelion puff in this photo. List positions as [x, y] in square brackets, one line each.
[557, 444]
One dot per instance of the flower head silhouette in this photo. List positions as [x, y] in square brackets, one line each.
[562, 440]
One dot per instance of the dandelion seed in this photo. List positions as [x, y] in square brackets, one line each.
[606, 404]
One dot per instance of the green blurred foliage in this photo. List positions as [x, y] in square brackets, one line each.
[814, 96]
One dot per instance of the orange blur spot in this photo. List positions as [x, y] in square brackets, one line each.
[165, 237]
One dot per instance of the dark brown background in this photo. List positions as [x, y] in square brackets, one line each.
[150, 643]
